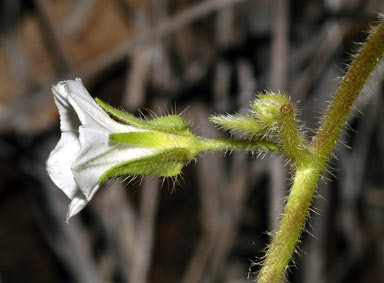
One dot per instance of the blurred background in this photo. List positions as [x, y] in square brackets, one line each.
[199, 58]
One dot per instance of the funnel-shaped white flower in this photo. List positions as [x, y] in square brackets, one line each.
[84, 151]
[93, 147]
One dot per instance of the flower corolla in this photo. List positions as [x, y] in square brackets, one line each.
[94, 147]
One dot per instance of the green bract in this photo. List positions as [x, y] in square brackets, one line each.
[263, 123]
[245, 126]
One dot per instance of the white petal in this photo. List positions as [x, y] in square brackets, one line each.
[79, 201]
[98, 155]
[77, 204]
[60, 162]
[84, 151]
[90, 114]
[69, 120]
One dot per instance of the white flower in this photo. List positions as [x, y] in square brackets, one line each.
[84, 151]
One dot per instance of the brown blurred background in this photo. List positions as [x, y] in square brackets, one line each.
[166, 55]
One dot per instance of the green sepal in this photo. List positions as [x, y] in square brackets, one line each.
[166, 163]
[143, 139]
[238, 124]
[121, 115]
[160, 140]
[170, 123]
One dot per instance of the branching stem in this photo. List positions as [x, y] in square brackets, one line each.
[313, 160]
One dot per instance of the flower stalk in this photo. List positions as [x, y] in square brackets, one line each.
[228, 144]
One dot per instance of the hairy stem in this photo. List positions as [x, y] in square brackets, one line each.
[293, 142]
[226, 144]
[292, 223]
[313, 161]
[351, 86]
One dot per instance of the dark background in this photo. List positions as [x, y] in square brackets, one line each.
[164, 55]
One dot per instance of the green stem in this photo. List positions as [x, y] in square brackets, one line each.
[226, 144]
[292, 223]
[293, 142]
[351, 86]
[313, 161]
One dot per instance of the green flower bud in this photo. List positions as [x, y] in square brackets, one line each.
[267, 107]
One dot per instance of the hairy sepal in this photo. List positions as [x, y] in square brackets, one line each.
[170, 123]
[159, 140]
[165, 163]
